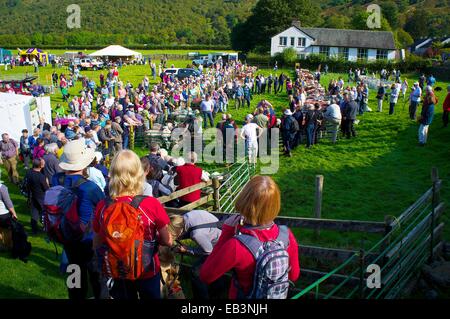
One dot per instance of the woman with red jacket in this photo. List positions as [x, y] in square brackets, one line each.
[446, 107]
[258, 205]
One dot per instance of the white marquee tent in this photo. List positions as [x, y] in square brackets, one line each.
[117, 51]
[22, 111]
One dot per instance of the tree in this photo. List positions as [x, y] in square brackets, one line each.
[270, 17]
[359, 22]
[403, 39]
[337, 21]
[389, 10]
[415, 25]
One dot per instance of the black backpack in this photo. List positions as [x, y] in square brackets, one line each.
[21, 246]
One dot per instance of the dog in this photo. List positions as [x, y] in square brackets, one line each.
[170, 283]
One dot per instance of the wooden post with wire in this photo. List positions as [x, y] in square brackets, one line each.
[216, 195]
[318, 199]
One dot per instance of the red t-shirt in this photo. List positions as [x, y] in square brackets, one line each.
[155, 218]
[189, 175]
[229, 253]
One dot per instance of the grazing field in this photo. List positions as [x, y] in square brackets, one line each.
[381, 172]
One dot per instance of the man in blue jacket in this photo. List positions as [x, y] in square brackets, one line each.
[76, 157]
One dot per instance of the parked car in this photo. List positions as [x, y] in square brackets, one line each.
[88, 64]
[20, 86]
[186, 73]
[171, 71]
[203, 60]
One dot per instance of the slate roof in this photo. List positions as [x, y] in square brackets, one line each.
[351, 38]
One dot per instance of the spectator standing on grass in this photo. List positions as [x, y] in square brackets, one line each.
[380, 96]
[74, 161]
[427, 114]
[51, 161]
[414, 98]
[207, 107]
[289, 130]
[9, 149]
[349, 117]
[446, 108]
[258, 205]
[393, 98]
[25, 148]
[37, 184]
[250, 132]
[333, 117]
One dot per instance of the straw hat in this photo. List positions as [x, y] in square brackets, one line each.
[76, 156]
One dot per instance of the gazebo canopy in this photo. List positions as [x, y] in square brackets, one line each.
[116, 51]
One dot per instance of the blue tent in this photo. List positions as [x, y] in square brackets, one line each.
[5, 55]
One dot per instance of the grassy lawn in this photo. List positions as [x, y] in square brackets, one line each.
[379, 173]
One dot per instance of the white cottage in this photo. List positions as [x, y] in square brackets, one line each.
[352, 45]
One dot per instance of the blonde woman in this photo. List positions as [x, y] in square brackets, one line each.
[127, 180]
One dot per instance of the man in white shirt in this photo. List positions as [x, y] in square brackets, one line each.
[333, 119]
[394, 98]
[207, 106]
[251, 132]
[415, 100]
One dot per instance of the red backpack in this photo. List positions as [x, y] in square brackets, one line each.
[126, 254]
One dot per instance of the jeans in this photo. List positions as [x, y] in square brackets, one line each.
[247, 99]
[423, 133]
[207, 114]
[309, 135]
[126, 139]
[239, 102]
[146, 288]
[82, 254]
[413, 110]
[222, 107]
[349, 128]
[391, 108]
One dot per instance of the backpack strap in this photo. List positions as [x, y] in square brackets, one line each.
[207, 225]
[137, 200]
[283, 235]
[251, 242]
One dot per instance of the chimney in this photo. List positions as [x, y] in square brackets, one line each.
[296, 23]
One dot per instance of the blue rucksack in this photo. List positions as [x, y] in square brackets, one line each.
[271, 277]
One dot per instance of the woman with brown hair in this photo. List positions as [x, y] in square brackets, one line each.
[258, 205]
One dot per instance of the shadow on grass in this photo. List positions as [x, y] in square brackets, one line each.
[8, 292]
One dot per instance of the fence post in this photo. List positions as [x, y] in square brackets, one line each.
[131, 137]
[216, 195]
[318, 200]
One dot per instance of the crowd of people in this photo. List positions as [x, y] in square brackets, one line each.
[83, 159]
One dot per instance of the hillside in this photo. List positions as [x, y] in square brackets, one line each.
[43, 22]
[131, 21]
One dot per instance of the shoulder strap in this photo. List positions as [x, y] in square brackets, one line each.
[137, 200]
[252, 243]
[207, 225]
[283, 235]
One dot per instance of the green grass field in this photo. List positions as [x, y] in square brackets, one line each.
[379, 173]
